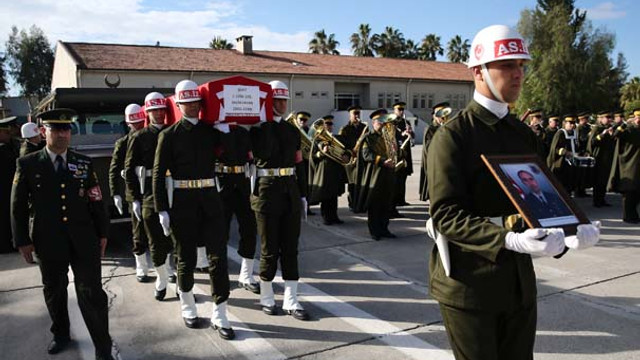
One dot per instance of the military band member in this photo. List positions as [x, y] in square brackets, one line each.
[488, 300]
[535, 123]
[8, 156]
[234, 159]
[32, 137]
[302, 119]
[436, 121]
[405, 137]
[601, 146]
[350, 133]
[561, 153]
[625, 172]
[193, 211]
[329, 176]
[550, 131]
[583, 174]
[139, 190]
[278, 200]
[60, 190]
[134, 118]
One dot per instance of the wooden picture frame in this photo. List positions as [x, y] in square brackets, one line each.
[535, 192]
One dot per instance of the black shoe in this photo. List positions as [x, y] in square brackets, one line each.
[202, 270]
[57, 345]
[191, 323]
[338, 221]
[143, 279]
[606, 204]
[581, 194]
[310, 213]
[389, 235]
[396, 215]
[227, 334]
[160, 294]
[105, 356]
[327, 222]
[253, 287]
[173, 278]
[298, 314]
[375, 237]
[270, 310]
[631, 221]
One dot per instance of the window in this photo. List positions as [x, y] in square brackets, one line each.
[430, 101]
[381, 100]
[324, 94]
[315, 95]
[416, 99]
[342, 101]
[299, 95]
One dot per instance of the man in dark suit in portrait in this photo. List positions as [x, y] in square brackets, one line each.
[543, 204]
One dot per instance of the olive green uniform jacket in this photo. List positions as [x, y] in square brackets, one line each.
[426, 141]
[116, 182]
[28, 147]
[625, 172]
[329, 177]
[377, 182]
[601, 147]
[464, 194]
[349, 136]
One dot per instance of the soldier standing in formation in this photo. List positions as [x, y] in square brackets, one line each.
[139, 190]
[8, 156]
[535, 123]
[60, 190]
[193, 211]
[584, 174]
[302, 119]
[625, 173]
[279, 200]
[488, 301]
[601, 145]
[405, 136]
[549, 132]
[436, 122]
[350, 133]
[134, 117]
[32, 137]
[561, 153]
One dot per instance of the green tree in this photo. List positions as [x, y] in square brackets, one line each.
[323, 44]
[411, 50]
[458, 50]
[362, 42]
[389, 43]
[630, 94]
[219, 43]
[430, 47]
[30, 60]
[3, 79]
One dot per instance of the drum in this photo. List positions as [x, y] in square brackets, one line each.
[584, 161]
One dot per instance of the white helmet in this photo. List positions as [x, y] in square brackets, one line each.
[187, 91]
[280, 90]
[497, 42]
[29, 130]
[154, 100]
[133, 114]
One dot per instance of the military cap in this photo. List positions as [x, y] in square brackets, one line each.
[354, 108]
[385, 118]
[58, 118]
[439, 106]
[303, 115]
[327, 117]
[569, 117]
[604, 113]
[554, 117]
[636, 112]
[535, 112]
[7, 122]
[583, 114]
[399, 104]
[618, 112]
[377, 113]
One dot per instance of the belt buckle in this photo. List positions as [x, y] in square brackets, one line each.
[282, 171]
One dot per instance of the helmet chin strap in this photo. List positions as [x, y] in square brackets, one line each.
[492, 88]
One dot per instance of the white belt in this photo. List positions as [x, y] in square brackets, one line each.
[230, 169]
[148, 173]
[276, 172]
[194, 184]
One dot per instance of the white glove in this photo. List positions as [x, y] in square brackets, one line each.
[587, 236]
[137, 210]
[303, 200]
[542, 242]
[117, 201]
[164, 222]
[224, 127]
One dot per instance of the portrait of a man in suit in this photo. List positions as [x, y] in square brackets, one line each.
[543, 204]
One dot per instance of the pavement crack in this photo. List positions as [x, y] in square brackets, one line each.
[563, 291]
[106, 282]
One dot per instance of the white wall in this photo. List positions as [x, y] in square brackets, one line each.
[64, 69]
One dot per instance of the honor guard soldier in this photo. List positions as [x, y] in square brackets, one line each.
[138, 167]
[60, 190]
[625, 173]
[279, 200]
[190, 208]
[32, 137]
[134, 117]
[8, 156]
[488, 297]
[350, 134]
[405, 136]
[329, 174]
[376, 192]
[235, 159]
[601, 146]
[439, 115]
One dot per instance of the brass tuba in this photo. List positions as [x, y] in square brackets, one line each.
[356, 148]
[335, 149]
[388, 132]
[305, 140]
[444, 114]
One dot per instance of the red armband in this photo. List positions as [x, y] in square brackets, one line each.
[298, 156]
[95, 194]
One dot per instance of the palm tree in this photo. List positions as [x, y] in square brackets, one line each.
[390, 43]
[458, 50]
[361, 42]
[430, 47]
[323, 44]
[411, 50]
[218, 43]
[630, 93]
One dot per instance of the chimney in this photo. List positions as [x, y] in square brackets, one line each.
[243, 44]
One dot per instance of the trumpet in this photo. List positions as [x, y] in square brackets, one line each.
[335, 149]
[444, 114]
[305, 141]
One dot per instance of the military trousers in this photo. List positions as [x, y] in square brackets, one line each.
[279, 232]
[159, 245]
[92, 300]
[329, 209]
[140, 241]
[501, 335]
[379, 211]
[630, 202]
[400, 188]
[235, 201]
[200, 226]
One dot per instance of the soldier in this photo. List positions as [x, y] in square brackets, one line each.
[549, 132]
[376, 189]
[563, 149]
[535, 123]
[405, 136]
[625, 172]
[584, 174]
[193, 211]
[350, 133]
[329, 176]
[134, 117]
[60, 190]
[138, 167]
[618, 117]
[302, 118]
[438, 118]
[8, 156]
[601, 146]
[234, 160]
[33, 140]
[278, 200]
[488, 299]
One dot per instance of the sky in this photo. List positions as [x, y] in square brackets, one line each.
[287, 25]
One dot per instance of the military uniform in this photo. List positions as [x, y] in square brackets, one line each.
[350, 134]
[327, 184]
[549, 134]
[584, 175]
[557, 159]
[69, 219]
[601, 146]
[28, 147]
[625, 172]
[429, 132]
[8, 156]
[402, 174]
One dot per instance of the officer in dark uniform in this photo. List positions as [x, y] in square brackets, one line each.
[550, 131]
[405, 137]
[8, 156]
[302, 120]
[376, 192]
[60, 190]
[625, 172]
[350, 133]
[535, 123]
[193, 211]
[32, 139]
[438, 117]
[235, 158]
[583, 174]
[134, 117]
[278, 200]
[601, 146]
[562, 151]
[138, 167]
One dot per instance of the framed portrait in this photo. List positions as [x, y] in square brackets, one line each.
[535, 192]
